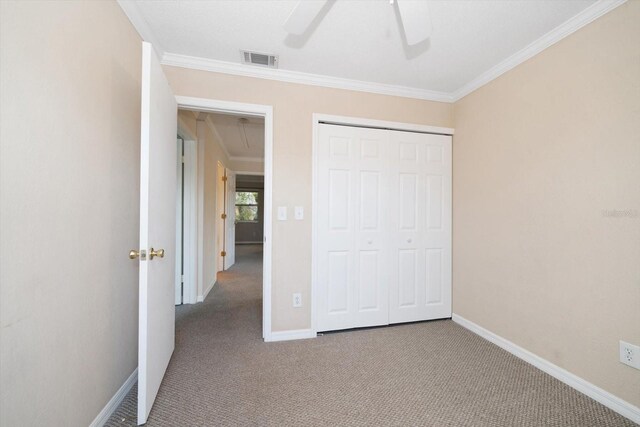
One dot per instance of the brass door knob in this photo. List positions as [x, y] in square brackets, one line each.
[153, 253]
[133, 254]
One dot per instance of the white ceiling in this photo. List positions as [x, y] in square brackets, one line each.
[361, 40]
[229, 130]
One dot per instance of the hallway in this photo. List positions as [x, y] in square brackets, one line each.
[421, 374]
[211, 338]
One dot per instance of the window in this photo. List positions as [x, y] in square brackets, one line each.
[247, 206]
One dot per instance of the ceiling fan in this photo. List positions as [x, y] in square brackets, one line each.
[414, 15]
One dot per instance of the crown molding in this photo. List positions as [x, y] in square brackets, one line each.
[565, 29]
[130, 8]
[225, 67]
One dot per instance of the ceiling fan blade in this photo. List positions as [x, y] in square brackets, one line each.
[416, 20]
[303, 15]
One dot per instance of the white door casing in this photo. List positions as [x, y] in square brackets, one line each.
[179, 224]
[230, 222]
[156, 331]
[383, 223]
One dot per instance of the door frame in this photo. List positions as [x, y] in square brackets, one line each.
[316, 120]
[186, 216]
[266, 112]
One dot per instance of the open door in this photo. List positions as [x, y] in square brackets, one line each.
[230, 222]
[220, 216]
[156, 333]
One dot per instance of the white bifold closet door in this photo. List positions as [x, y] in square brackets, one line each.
[354, 183]
[383, 227]
[420, 288]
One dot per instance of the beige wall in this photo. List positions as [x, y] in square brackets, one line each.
[539, 154]
[187, 124]
[293, 107]
[69, 196]
[211, 153]
[247, 166]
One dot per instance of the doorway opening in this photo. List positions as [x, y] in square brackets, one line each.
[224, 196]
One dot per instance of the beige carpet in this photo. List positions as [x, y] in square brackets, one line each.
[421, 374]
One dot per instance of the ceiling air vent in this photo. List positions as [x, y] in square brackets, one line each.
[261, 59]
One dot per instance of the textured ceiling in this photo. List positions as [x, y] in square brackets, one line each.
[361, 40]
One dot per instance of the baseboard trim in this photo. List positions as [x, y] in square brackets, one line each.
[296, 334]
[609, 400]
[115, 401]
[206, 292]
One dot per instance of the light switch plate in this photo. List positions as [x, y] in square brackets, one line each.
[282, 213]
[299, 212]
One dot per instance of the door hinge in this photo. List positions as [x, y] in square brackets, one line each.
[223, 253]
[223, 216]
[224, 179]
[182, 278]
[182, 158]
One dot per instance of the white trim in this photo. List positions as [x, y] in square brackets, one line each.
[247, 159]
[178, 285]
[315, 123]
[565, 29]
[296, 334]
[201, 141]
[266, 111]
[224, 67]
[612, 402]
[203, 297]
[130, 8]
[349, 121]
[115, 401]
[190, 230]
[361, 121]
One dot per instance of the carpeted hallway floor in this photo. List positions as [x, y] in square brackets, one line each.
[421, 374]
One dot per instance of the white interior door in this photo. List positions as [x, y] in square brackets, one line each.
[383, 227]
[420, 288]
[230, 232]
[179, 224]
[354, 227]
[157, 230]
[220, 210]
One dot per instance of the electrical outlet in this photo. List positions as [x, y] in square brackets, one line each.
[297, 300]
[630, 354]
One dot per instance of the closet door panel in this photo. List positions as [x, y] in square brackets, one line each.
[352, 245]
[422, 176]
